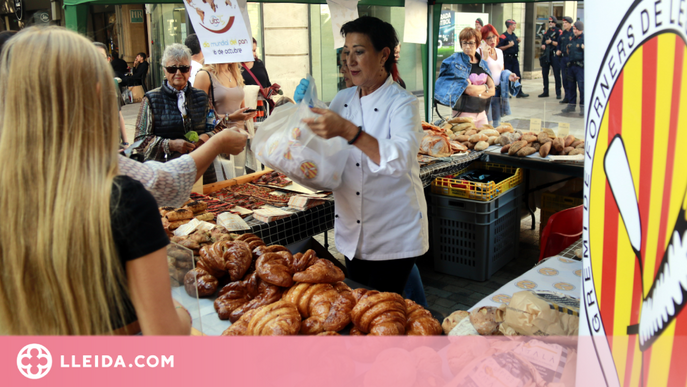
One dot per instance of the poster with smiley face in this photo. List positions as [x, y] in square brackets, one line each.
[221, 30]
[635, 255]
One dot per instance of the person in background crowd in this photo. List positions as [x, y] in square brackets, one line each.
[346, 72]
[5, 36]
[479, 24]
[257, 67]
[224, 86]
[139, 73]
[510, 44]
[397, 76]
[562, 54]
[547, 58]
[197, 58]
[171, 112]
[102, 49]
[96, 252]
[499, 105]
[576, 68]
[118, 65]
[381, 211]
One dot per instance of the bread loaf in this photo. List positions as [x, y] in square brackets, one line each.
[576, 151]
[516, 146]
[482, 145]
[529, 138]
[526, 151]
[544, 149]
[205, 216]
[463, 126]
[505, 148]
[453, 319]
[567, 150]
[576, 143]
[484, 320]
[535, 145]
[460, 120]
[197, 206]
[179, 214]
[475, 138]
[543, 137]
[462, 138]
[558, 144]
[492, 140]
[489, 132]
[569, 140]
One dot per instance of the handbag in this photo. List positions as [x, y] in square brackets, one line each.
[265, 92]
[137, 93]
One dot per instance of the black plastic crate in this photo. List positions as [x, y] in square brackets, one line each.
[474, 245]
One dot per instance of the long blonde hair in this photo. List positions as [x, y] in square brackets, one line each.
[59, 269]
[232, 68]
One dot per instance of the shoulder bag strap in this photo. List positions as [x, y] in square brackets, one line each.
[211, 102]
[264, 94]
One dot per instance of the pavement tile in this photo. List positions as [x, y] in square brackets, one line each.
[445, 302]
[454, 289]
[438, 292]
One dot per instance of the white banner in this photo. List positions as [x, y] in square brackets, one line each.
[341, 11]
[415, 29]
[221, 30]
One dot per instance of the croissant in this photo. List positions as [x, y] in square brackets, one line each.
[260, 250]
[340, 314]
[420, 321]
[275, 268]
[315, 303]
[211, 261]
[380, 314]
[237, 298]
[201, 282]
[277, 319]
[328, 333]
[322, 271]
[239, 327]
[252, 240]
[302, 261]
[266, 294]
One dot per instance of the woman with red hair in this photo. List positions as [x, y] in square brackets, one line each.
[494, 58]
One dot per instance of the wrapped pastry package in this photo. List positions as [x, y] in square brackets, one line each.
[531, 313]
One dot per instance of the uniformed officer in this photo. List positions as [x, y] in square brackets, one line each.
[576, 68]
[509, 43]
[562, 54]
[548, 58]
[479, 24]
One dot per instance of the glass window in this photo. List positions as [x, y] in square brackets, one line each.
[324, 60]
[168, 23]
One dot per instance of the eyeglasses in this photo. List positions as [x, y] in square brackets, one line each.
[469, 44]
[173, 69]
[492, 37]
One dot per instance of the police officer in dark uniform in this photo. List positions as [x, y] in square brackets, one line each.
[548, 59]
[509, 43]
[562, 54]
[576, 68]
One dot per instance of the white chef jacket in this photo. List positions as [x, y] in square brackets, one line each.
[380, 210]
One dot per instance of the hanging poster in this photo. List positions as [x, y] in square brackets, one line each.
[221, 30]
[341, 11]
[633, 325]
[415, 27]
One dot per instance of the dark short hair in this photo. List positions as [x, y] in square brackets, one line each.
[193, 44]
[381, 34]
[143, 55]
[255, 41]
[101, 45]
[115, 55]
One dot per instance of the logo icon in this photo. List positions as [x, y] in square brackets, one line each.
[34, 361]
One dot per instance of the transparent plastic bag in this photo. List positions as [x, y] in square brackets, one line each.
[286, 144]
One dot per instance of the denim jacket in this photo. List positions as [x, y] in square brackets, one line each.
[512, 89]
[453, 77]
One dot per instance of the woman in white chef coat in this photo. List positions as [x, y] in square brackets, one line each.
[381, 212]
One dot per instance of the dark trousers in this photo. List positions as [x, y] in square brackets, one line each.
[385, 276]
[511, 63]
[563, 64]
[576, 81]
[556, 74]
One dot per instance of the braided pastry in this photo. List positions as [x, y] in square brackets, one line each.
[266, 294]
[252, 240]
[302, 261]
[239, 327]
[212, 261]
[225, 257]
[380, 314]
[260, 250]
[420, 321]
[314, 302]
[201, 282]
[277, 319]
[237, 298]
[275, 268]
[322, 271]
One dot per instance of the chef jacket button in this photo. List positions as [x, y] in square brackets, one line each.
[345, 105]
[358, 221]
[376, 109]
[336, 216]
[357, 164]
[357, 193]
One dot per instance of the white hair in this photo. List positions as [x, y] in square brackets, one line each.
[176, 52]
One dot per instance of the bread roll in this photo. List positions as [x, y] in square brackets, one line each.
[506, 148]
[460, 120]
[529, 138]
[484, 320]
[558, 144]
[206, 216]
[471, 132]
[463, 126]
[453, 319]
[165, 210]
[197, 206]
[526, 151]
[492, 140]
[535, 145]
[576, 151]
[179, 214]
[516, 146]
[576, 143]
[543, 137]
[482, 145]
[462, 138]
[550, 132]
[490, 132]
[544, 149]
[475, 138]
[176, 224]
[567, 150]
[569, 140]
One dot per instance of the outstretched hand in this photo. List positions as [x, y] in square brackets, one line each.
[330, 124]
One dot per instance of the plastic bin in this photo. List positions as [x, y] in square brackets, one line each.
[472, 244]
[477, 191]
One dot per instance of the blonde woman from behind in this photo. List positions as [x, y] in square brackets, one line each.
[70, 260]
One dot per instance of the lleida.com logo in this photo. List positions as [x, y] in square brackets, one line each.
[34, 361]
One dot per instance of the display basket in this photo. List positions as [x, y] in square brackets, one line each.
[478, 191]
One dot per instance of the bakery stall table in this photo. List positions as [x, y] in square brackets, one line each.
[552, 164]
[561, 273]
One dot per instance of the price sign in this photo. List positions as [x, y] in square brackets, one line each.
[535, 125]
[563, 129]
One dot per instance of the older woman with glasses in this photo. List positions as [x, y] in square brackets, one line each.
[170, 114]
[478, 85]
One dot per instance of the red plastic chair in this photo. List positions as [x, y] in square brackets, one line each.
[562, 230]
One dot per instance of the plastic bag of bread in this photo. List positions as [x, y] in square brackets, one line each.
[541, 313]
[435, 145]
[286, 144]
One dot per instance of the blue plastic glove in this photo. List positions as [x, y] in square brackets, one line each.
[300, 90]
